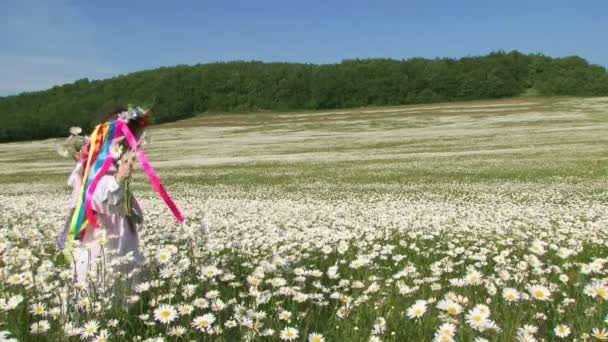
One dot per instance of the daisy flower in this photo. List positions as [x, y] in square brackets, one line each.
[39, 327]
[529, 329]
[70, 329]
[38, 309]
[477, 318]
[450, 307]
[165, 314]
[540, 292]
[473, 277]
[284, 315]
[89, 329]
[177, 331]
[185, 310]
[289, 334]
[601, 335]
[163, 257]
[525, 337]
[203, 322]
[562, 331]
[316, 337]
[103, 336]
[510, 294]
[417, 310]
[448, 329]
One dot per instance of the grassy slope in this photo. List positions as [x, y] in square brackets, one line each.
[517, 139]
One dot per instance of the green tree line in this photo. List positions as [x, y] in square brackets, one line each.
[183, 91]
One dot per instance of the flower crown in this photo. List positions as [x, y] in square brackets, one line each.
[135, 113]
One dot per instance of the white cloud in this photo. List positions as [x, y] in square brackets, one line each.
[46, 43]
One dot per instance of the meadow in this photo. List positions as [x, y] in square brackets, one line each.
[473, 221]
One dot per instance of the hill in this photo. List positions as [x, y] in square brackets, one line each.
[183, 91]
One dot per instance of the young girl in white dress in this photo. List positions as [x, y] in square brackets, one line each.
[113, 247]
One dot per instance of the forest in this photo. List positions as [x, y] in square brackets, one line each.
[247, 86]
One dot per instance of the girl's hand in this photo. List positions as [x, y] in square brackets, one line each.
[125, 166]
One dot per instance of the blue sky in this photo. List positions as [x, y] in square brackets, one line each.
[50, 42]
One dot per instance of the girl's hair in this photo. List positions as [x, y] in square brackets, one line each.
[135, 126]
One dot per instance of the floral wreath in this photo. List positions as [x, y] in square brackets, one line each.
[135, 113]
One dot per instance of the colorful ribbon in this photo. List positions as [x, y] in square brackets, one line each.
[78, 222]
[100, 168]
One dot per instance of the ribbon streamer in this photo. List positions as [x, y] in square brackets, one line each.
[100, 171]
[152, 177]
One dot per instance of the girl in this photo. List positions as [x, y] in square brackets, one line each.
[118, 214]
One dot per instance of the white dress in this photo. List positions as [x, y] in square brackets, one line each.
[116, 235]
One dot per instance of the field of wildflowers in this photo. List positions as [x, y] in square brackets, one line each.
[484, 221]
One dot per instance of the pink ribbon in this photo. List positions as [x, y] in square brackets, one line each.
[154, 180]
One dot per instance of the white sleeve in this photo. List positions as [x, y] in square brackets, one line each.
[108, 193]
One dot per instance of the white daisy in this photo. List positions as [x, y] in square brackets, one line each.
[562, 331]
[165, 314]
[289, 334]
[417, 310]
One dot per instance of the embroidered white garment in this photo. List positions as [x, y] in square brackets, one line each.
[115, 231]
